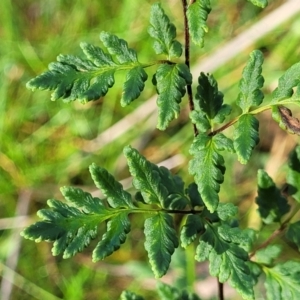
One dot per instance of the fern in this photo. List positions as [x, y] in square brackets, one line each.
[221, 246]
[74, 78]
[177, 212]
[164, 33]
[270, 211]
[197, 14]
[208, 166]
[170, 81]
[161, 241]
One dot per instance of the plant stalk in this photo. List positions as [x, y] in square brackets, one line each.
[187, 59]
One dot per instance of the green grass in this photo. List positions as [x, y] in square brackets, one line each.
[42, 142]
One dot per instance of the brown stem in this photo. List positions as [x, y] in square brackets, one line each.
[275, 234]
[221, 290]
[187, 59]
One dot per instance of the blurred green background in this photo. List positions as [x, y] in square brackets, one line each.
[46, 145]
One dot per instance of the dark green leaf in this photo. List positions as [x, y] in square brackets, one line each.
[176, 198]
[117, 228]
[293, 233]
[194, 195]
[282, 281]
[259, 3]
[97, 56]
[286, 83]
[192, 227]
[133, 85]
[200, 120]
[164, 33]
[167, 292]
[161, 241]
[207, 166]
[82, 200]
[228, 260]
[209, 103]
[156, 184]
[197, 14]
[72, 78]
[268, 254]
[245, 137]
[68, 227]
[226, 211]
[170, 81]
[271, 204]
[293, 175]
[251, 83]
[119, 48]
[145, 177]
[127, 295]
[113, 190]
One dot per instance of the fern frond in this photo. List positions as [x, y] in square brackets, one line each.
[170, 81]
[73, 78]
[245, 137]
[251, 83]
[164, 33]
[208, 167]
[161, 241]
[221, 245]
[197, 14]
[271, 204]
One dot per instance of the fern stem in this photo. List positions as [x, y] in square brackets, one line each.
[221, 290]
[275, 234]
[190, 266]
[187, 59]
[233, 121]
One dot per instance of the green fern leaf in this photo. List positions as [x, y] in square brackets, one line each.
[197, 14]
[293, 233]
[134, 85]
[145, 177]
[293, 175]
[70, 228]
[82, 200]
[161, 241]
[113, 190]
[226, 211]
[251, 83]
[209, 107]
[167, 292]
[271, 204]
[72, 78]
[156, 184]
[268, 255]
[164, 33]
[192, 227]
[170, 81]
[259, 3]
[245, 137]
[228, 260]
[176, 198]
[119, 48]
[193, 193]
[286, 83]
[117, 228]
[208, 166]
[127, 295]
[282, 281]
